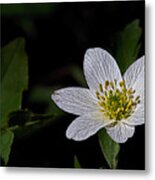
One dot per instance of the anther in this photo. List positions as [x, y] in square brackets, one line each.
[133, 91]
[105, 93]
[131, 96]
[129, 104]
[102, 98]
[117, 91]
[122, 83]
[115, 82]
[137, 98]
[101, 103]
[110, 92]
[130, 91]
[106, 84]
[100, 87]
[112, 84]
[97, 95]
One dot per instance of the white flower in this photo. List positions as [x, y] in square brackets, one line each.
[112, 101]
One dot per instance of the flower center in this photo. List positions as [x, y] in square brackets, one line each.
[116, 101]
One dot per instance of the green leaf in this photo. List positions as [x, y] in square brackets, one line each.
[110, 148]
[14, 78]
[5, 144]
[76, 162]
[127, 45]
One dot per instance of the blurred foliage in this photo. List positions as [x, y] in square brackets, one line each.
[109, 148]
[127, 45]
[14, 80]
[7, 137]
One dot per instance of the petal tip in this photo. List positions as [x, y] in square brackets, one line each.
[68, 134]
[95, 49]
[72, 135]
[53, 96]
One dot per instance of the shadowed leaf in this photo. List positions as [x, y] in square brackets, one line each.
[5, 144]
[76, 162]
[14, 78]
[127, 44]
[110, 149]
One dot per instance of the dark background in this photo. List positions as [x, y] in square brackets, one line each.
[57, 36]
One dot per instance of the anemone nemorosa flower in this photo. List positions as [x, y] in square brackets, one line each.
[113, 101]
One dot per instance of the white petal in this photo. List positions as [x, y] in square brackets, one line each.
[138, 116]
[100, 66]
[134, 77]
[75, 100]
[85, 126]
[120, 132]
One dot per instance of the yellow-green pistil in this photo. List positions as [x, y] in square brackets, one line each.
[116, 101]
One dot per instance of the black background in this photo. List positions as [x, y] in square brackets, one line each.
[60, 39]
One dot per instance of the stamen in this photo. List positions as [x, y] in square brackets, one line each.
[105, 93]
[116, 103]
[106, 84]
[97, 95]
[133, 91]
[117, 91]
[115, 82]
[130, 91]
[112, 85]
[110, 92]
[131, 96]
[122, 83]
[100, 87]
[137, 98]
[118, 110]
[102, 98]
[101, 103]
